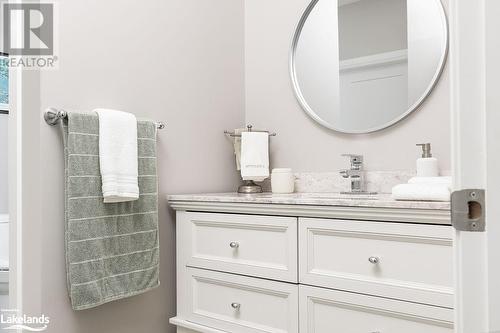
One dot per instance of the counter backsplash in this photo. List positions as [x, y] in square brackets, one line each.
[320, 182]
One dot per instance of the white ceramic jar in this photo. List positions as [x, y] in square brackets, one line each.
[282, 180]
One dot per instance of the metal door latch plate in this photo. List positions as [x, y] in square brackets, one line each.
[468, 210]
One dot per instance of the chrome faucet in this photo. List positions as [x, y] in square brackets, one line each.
[356, 174]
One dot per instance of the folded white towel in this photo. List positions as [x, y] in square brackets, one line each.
[118, 155]
[421, 192]
[430, 180]
[237, 147]
[4, 264]
[254, 156]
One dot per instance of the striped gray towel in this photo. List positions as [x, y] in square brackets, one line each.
[112, 249]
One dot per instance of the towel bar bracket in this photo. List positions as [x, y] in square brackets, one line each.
[53, 115]
[249, 129]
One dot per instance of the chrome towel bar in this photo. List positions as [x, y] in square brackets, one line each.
[249, 129]
[53, 115]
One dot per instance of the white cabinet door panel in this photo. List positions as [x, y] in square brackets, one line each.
[241, 304]
[401, 261]
[261, 246]
[329, 311]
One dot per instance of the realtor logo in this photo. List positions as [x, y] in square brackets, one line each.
[30, 38]
[28, 29]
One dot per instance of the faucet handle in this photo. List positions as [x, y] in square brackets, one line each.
[355, 159]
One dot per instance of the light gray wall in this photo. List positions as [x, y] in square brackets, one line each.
[180, 61]
[301, 143]
[3, 164]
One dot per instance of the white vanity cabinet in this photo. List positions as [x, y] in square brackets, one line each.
[273, 267]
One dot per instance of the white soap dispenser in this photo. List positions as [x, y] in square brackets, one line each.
[427, 166]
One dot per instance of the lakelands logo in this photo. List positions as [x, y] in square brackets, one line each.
[29, 34]
[11, 320]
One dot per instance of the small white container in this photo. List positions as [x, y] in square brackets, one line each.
[282, 180]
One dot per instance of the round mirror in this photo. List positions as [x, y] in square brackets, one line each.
[359, 66]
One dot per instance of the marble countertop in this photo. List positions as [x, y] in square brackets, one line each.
[316, 199]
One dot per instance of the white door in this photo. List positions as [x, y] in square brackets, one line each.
[475, 104]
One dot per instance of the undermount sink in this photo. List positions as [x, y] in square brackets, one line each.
[356, 196]
[321, 195]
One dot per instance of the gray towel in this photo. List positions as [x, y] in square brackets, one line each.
[112, 249]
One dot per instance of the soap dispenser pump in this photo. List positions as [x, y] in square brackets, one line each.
[427, 166]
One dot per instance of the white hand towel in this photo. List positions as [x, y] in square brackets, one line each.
[237, 147]
[421, 192]
[430, 180]
[254, 156]
[118, 155]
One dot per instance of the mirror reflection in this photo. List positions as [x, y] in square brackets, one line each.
[362, 65]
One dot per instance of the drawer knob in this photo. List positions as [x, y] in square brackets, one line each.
[374, 260]
[234, 245]
[236, 306]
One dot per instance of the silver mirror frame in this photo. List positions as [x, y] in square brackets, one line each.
[310, 112]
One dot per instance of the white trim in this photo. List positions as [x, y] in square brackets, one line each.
[19, 195]
[468, 129]
[492, 154]
[177, 321]
[15, 161]
[379, 59]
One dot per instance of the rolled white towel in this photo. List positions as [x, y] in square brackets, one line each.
[430, 180]
[421, 192]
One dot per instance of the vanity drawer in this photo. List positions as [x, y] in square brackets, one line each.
[327, 311]
[395, 260]
[235, 303]
[262, 246]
